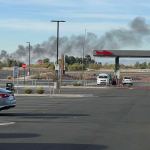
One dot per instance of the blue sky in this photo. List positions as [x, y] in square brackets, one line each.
[29, 20]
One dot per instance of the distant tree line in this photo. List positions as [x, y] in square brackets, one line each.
[10, 63]
[143, 65]
[79, 60]
[71, 63]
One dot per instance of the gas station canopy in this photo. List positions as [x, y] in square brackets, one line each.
[122, 53]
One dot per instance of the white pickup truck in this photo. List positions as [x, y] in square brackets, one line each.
[103, 79]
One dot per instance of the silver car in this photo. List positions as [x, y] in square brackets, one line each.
[127, 81]
[7, 99]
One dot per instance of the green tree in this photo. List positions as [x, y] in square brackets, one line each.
[148, 65]
[1, 65]
[71, 60]
[10, 62]
[46, 61]
[79, 60]
[137, 65]
[143, 65]
[88, 59]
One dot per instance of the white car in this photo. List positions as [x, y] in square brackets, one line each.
[103, 79]
[127, 80]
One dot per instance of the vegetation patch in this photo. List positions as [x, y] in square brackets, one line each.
[9, 78]
[28, 91]
[40, 90]
[77, 84]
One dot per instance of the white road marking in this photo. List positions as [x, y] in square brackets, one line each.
[7, 123]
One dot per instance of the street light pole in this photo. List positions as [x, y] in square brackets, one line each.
[57, 63]
[84, 43]
[29, 57]
[57, 40]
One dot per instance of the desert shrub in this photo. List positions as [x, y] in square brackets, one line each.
[9, 77]
[28, 90]
[40, 90]
[77, 84]
[75, 67]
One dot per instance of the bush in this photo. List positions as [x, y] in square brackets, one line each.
[9, 77]
[40, 90]
[28, 91]
[76, 67]
[77, 84]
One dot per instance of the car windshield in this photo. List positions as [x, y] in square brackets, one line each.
[127, 77]
[103, 77]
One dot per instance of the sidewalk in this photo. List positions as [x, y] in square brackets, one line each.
[56, 95]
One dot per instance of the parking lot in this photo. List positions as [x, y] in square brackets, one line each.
[106, 118]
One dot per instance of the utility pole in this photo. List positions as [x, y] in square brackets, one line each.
[57, 63]
[29, 57]
[83, 53]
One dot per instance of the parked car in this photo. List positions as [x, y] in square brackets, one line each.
[7, 99]
[103, 79]
[127, 80]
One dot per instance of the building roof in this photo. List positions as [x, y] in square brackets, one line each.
[122, 53]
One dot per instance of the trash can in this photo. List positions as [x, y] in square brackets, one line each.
[10, 87]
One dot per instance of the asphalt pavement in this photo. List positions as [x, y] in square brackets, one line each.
[108, 119]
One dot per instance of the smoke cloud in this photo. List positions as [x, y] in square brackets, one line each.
[136, 36]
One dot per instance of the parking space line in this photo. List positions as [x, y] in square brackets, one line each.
[7, 123]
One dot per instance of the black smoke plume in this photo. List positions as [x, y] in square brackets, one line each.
[135, 36]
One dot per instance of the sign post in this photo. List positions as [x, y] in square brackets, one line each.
[15, 71]
[24, 67]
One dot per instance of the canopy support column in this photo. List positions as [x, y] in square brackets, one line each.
[117, 69]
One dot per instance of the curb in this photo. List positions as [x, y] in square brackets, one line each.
[54, 95]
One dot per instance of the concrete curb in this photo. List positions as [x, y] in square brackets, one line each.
[55, 95]
[86, 87]
[73, 87]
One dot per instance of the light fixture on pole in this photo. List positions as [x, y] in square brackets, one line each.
[57, 63]
[29, 58]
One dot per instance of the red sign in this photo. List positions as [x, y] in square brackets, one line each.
[104, 53]
[24, 65]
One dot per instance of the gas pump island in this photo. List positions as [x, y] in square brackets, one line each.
[121, 54]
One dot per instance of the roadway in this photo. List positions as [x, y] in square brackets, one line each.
[109, 119]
